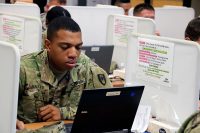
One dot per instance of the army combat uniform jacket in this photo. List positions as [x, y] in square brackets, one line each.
[192, 124]
[39, 87]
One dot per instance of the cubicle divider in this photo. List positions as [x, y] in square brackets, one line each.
[169, 69]
[9, 80]
[119, 28]
[26, 9]
[171, 21]
[93, 22]
[23, 31]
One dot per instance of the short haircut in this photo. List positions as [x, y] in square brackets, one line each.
[140, 7]
[55, 12]
[60, 23]
[193, 29]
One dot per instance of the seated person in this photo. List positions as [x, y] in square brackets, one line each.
[49, 5]
[192, 31]
[53, 13]
[52, 80]
[125, 4]
[146, 11]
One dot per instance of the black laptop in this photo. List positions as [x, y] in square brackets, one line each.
[100, 54]
[107, 110]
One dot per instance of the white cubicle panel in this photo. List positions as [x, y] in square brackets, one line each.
[23, 31]
[93, 22]
[28, 9]
[169, 69]
[118, 29]
[172, 21]
[9, 80]
[130, 11]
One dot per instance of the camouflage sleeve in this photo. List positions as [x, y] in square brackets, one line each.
[68, 112]
[22, 79]
[191, 124]
[98, 78]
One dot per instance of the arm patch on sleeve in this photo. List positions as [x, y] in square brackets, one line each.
[102, 79]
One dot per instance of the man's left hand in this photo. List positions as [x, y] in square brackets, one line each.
[49, 113]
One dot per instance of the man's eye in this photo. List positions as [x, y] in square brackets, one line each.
[78, 47]
[64, 47]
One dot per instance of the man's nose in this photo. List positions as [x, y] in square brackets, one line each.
[73, 52]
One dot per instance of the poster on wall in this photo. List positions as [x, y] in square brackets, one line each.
[155, 61]
[12, 30]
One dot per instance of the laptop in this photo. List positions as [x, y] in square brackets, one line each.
[100, 54]
[107, 110]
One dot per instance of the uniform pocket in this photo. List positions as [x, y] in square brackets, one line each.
[29, 108]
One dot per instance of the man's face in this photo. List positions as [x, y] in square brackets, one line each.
[64, 49]
[147, 14]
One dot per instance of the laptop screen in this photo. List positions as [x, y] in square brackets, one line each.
[104, 110]
[100, 54]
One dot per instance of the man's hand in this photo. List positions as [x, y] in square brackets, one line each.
[49, 113]
[19, 124]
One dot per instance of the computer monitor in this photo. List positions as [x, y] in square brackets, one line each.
[105, 110]
[169, 69]
[100, 54]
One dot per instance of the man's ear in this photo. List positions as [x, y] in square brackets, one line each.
[187, 38]
[47, 45]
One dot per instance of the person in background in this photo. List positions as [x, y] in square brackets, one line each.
[146, 11]
[48, 6]
[192, 31]
[52, 80]
[41, 4]
[53, 13]
[125, 4]
[55, 3]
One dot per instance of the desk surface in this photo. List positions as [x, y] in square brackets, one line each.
[119, 83]
[41, 124]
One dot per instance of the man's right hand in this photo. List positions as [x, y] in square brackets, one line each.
[19, 124]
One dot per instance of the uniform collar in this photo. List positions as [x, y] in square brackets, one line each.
[48, 76]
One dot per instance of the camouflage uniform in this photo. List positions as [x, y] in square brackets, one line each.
[191, 125]
[39, 86]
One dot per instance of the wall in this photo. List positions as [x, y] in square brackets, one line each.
[159, 3]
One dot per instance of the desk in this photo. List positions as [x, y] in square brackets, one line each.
[118, 83]
[41, 124]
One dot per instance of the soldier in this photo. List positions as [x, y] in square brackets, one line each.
[49, 5]
[53, 13]
[146, 11]
[192, 31]
[125, 4]
[52, 80]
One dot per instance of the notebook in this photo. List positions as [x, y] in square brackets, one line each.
[106, 110]
[100, 54]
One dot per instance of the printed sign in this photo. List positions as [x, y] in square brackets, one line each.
[12, 30]
[155, 61]
[122, 28]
